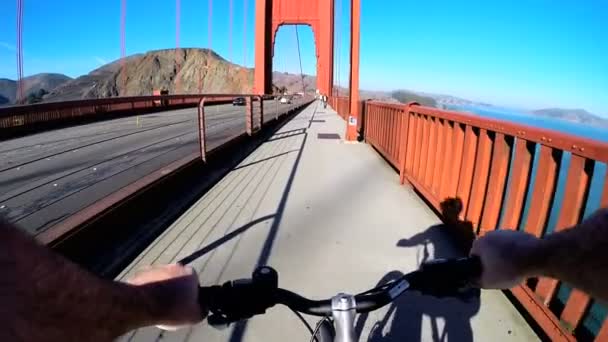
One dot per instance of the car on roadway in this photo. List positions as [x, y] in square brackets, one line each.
[285, 100]
[239, 101]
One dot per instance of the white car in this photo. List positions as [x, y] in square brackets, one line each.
[285, 100]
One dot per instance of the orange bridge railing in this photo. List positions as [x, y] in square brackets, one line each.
[507, 175]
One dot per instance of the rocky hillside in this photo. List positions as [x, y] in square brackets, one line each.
[141, 74]
[31, 85]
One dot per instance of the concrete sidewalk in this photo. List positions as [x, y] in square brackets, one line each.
[330, 217]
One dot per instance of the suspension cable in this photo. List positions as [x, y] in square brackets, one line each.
[123, 46]
[177, 54]
[244, 69]
[209, 46]
[230, 24]
[19, 49]
[300, 60]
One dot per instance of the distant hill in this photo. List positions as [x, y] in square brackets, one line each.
[31, 85]
[141, 74]
[574, 115]
[292, 82]
[405, 96]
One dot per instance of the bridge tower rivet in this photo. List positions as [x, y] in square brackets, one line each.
[574, 146]
[582, 149]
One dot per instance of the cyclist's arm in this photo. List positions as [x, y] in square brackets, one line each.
[45, 297]
[578, 256]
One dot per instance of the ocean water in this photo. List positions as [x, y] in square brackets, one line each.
[588, 131]
[593, 318]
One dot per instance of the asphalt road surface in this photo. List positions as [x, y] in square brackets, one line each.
[47, 177]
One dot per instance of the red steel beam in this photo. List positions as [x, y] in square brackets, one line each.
[411, 142]
[448, 159]
[424, 152]
[544, 186]
[480, 178]
[417, 144]
[441, 155]
[576, 184]
[431, 154]
[458, 147]
[466, 169]
[575, 308]
[542, 315]
[403, 144]
[496, 184]
[517, 188]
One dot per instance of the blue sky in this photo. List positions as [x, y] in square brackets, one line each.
[518, 53]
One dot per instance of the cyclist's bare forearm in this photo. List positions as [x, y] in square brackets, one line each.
[578, 256]
[45, 297]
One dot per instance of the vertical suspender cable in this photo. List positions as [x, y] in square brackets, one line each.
[230, 25]
[300, 59]
[177, 54]
[245, 88]
[123, 46]
[209, 41]
[20, 94]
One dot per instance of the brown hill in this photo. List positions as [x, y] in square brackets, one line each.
[31, 85]
[141, 74]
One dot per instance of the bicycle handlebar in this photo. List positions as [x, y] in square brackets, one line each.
[243, 299]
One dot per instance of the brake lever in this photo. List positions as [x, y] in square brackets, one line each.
[239, 299]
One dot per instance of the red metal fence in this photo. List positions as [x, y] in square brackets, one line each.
[52, 112]
[341, 105]
[506, 175]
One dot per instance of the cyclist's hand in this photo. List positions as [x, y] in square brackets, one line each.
[504, 258]
[172, 289]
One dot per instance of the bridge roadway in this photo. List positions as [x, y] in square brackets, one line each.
[46, 177]
[330, 217]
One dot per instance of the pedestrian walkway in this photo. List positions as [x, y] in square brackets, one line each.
[330, 217]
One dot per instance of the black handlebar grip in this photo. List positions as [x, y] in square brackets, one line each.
[446, 277]
[474, 266]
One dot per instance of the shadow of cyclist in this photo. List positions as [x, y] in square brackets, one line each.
[447, 318]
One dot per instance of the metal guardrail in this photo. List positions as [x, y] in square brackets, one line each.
[52, 112]
[84, 217]
[506, 175]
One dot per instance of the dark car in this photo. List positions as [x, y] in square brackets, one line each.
[239, 101]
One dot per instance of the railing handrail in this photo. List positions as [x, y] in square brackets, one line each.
[582, 146]
[54, 105]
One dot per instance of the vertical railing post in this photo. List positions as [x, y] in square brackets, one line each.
[249, 115]
[202, 132]
[403, 141]
[261, 98]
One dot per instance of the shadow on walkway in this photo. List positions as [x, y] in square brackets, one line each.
[449, 318]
